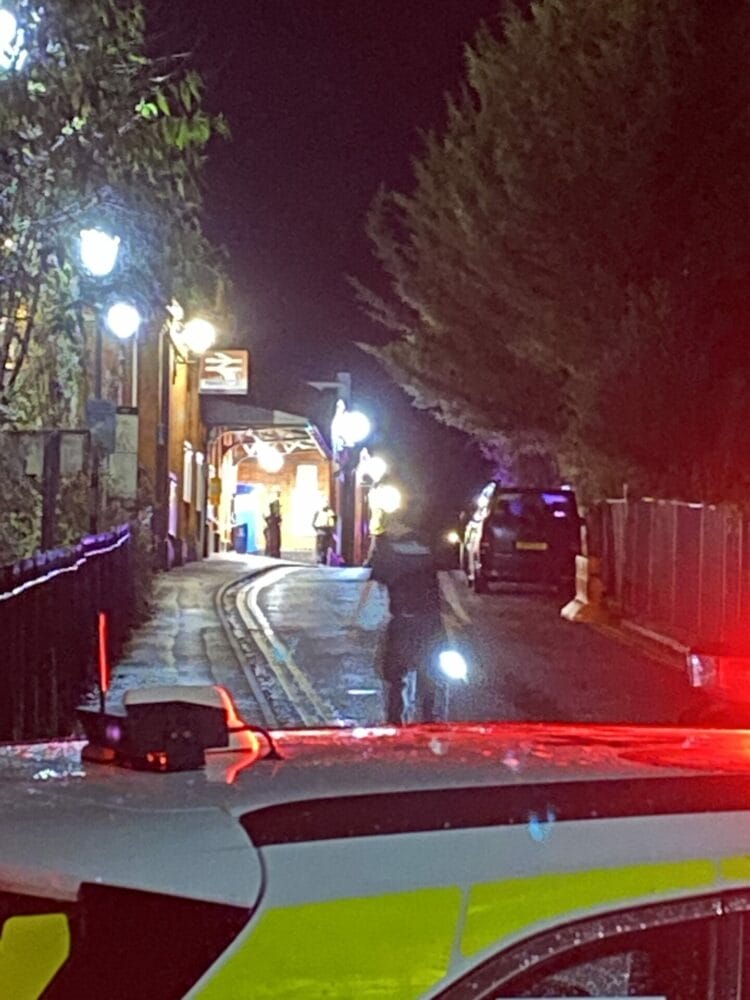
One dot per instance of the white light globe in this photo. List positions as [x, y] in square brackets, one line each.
[270, 459]
[199, 334]
[123, 320]
[8, 28]
[386, 498]
[99, 252]
[11, 42]
[453, 665]
[376, 468]
[354, 427]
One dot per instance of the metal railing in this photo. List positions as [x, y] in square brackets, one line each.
[681, 568]
[49, 615]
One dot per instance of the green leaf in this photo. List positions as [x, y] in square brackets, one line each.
[147, 109]
[186, 95]
[162, 103]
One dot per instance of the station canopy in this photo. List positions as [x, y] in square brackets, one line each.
[288, 432]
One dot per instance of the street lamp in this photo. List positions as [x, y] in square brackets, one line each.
[199, 335]
[181, 341]
[374, 467]
[99, 252]
[12, 53]
[386, 498]
[123, 320]
[370, 471]
[349, 427]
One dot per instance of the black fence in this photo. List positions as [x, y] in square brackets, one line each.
[49, 627]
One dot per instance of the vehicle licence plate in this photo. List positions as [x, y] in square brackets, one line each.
[532, 546]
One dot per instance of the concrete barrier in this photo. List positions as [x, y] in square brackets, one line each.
[589, 604]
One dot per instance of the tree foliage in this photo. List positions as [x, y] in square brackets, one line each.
[569, 268]
[94, 132]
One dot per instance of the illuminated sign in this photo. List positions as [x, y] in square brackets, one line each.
[225, 373]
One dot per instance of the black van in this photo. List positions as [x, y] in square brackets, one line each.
[522, 535]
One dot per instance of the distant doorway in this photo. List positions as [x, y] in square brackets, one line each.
[249, 505]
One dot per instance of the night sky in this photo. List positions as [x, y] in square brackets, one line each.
[325, 99]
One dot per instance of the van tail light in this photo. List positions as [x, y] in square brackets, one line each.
[702, 669]
[724, 666]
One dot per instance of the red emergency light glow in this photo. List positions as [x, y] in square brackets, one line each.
[236, 725]
[104, 672]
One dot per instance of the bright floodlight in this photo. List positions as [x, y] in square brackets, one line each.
[356, 426]
[386, 498]
[270, 459]
[199, 335]
[99, 252]
[453, 538]
[349, 427]
[123, 320]
[376, 468]
[12, 55]
[453, 665]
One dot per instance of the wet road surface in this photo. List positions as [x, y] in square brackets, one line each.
[526, 663]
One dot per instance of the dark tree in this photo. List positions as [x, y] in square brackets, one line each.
[570, 268]
[94, 131]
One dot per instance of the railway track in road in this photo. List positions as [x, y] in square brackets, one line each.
[280, 686]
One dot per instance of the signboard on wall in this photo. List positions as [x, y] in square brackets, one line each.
[225, 373]
[101, 419]
[123, 462]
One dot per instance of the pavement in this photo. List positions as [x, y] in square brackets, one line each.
[186, 640]
[284, 638]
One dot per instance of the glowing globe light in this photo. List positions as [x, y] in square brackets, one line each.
[269, 458]
[349, 427]
[453, 665]
[12, 54]
[386, 498]
[453, 538]
[356, 427]
[123, 320]
[199, 335]
[376, 468]
[99, 252]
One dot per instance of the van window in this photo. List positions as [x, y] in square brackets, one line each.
[533, 510]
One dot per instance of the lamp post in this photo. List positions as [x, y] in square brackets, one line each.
[181, 342]
[370, 471]
[349, 429]
[99, 251]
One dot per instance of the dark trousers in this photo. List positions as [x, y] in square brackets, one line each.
[273, 537]
[323, 542]
[412, 693]
[413, 697]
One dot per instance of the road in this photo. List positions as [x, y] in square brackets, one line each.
[526, 662]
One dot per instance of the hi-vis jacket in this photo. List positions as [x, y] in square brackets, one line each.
[436, 861]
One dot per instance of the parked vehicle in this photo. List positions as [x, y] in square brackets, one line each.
[522, 535]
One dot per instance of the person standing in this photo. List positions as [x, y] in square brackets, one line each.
[272, 530]
[324, 524]
[402, 562]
